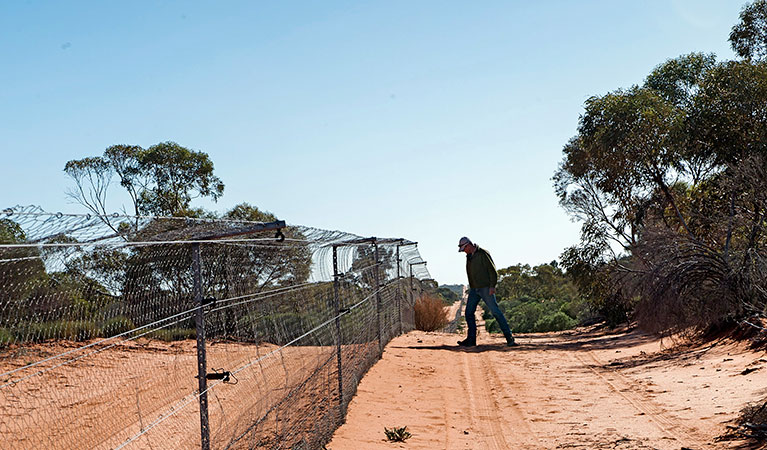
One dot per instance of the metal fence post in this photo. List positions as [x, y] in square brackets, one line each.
[412, 300]
[412, 289]
[378, 296]
[398, 294]
[337, 308]
[201, 362]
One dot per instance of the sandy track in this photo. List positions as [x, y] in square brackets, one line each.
[574, 390]
[584, 390]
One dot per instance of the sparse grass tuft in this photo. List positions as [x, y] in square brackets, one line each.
[398, 434]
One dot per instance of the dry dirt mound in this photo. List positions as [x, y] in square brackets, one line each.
[573, 390]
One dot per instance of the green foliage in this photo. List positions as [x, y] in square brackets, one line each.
[10, 232]
[537, 299]
[73, 298]
[491, 325]
[448, 295]
[668, 180]
[456, 288]
[749, 37]
[729, 118]
[173, 334]
[177, 176]
[226, 270]
[677, 80]
[555, 322]
[461, 325]
[577, 309]
[21, 269]
[6, 337]
[92, 285]
[102, 264]
[117, 325]
[290, 264]
[83, 330]
[161, 180]
[281, 328]
[397, 434]
[75, 330]
[245, 211]
[615, 309]
[591, 273]
[545, 281]
[284, 322]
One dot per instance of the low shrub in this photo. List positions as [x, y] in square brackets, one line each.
[521, 323]
[430, 313]
[525, 315]
[79, 330]
[76, 330]
[6, 337]
[277, 328]
[555, 322]
[173, 334]
[117, 325]
[491, 325]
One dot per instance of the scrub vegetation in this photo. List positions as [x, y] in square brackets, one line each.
[669, 179]
[538, 299]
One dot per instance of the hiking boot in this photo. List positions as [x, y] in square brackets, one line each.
[510, 342]
[467, 342]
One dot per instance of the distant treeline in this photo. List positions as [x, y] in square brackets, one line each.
[450, 293]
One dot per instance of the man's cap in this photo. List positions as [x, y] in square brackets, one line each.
[463, 243]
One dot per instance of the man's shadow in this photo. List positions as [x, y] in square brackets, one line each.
[473, 349]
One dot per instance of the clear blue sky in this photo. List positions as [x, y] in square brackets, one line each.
[427, 120]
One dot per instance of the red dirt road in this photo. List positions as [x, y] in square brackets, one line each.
[573, 390]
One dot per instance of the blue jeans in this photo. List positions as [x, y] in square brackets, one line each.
[471, 307]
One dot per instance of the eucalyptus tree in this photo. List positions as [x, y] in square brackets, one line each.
[668, 180]
[749, 37]
[161, 180]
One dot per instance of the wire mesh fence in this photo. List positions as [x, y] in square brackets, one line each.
[454, 322]
[151, 332]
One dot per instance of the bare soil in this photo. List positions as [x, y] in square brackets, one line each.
[586, 389]
[141, 394]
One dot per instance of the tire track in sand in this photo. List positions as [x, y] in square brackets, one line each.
[622, 386]
[481, 406]
[512, 417]
[492, 414]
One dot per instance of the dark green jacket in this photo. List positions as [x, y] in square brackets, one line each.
[481, 269]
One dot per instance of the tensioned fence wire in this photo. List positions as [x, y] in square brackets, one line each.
[98, 341]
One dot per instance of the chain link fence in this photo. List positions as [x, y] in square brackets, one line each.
[156, 332]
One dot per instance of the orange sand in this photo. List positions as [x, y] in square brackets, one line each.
[571, 390]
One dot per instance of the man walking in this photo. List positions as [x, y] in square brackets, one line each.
[482, 279]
